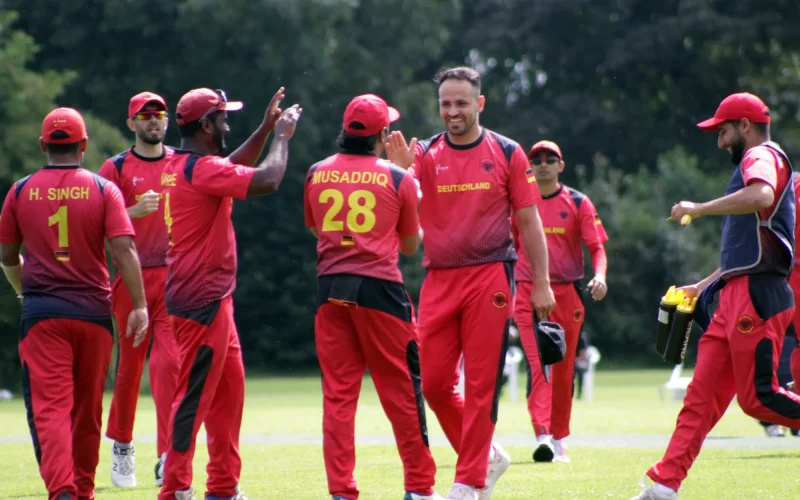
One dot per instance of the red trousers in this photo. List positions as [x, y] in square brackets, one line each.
[736, 356]
[211, 392]
[64, 363]
[130, 363]
[550, 405]
[465, 311]
[349, 340]
[794, 283]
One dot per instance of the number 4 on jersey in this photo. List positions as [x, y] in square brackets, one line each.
[360, 217]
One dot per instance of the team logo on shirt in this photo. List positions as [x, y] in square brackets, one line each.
[440, 167]
[745, 324]
[487, 166]
[136, 180]
[564, 215]
[499, 300]
[577, 315]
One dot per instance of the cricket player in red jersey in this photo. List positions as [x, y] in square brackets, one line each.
[794, 282]
[199, 189]
[62, 214]
[569, 219]
[738, 353]
[471, 179]
[363, 209]
[137, 172]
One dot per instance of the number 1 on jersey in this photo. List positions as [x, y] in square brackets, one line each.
[360, 203]
[60, 218]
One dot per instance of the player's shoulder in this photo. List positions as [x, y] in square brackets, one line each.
[330, 160]
[118, 160]
[577, 197]
[396, 172]
[185, 162]
[426, 145]
[20, 184]
[506, 144]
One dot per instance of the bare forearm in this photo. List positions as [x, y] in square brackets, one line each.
[12, 265]
[250, 150]
[708, 279]
[131, 273]
[749, 200]
[270, 172]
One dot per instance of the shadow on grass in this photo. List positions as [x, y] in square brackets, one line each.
[767, 457]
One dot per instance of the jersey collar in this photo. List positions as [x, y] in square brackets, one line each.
[555, 193]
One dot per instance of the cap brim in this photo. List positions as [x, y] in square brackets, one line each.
[710, 125]
[539, 150]
[232, 106]
[394, 115]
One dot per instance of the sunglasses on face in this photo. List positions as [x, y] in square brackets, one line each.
[222, 99]
[551, 160]
[148, 115]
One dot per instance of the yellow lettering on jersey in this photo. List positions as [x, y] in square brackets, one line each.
[337, 177]
[168, 180]
[33, 194]
[68, 193]
[457, 188]
[554, 230]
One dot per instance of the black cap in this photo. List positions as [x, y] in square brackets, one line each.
[552, 344]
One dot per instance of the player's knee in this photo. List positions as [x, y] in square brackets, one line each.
[436, 388]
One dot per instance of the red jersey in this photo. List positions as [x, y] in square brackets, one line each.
[198, 201]
[62, 215]
[135, 175]
[468, 193]
[796, 180]
[568, 218]
[360, 205]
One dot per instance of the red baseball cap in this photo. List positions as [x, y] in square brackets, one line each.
[367, 115]
[197, 103]
[545, 146]
[735, 107]
[139, 101]
[66, 120]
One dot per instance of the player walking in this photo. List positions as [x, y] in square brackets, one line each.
[739, 351]
[569, 218]
[62, 214]
[137, 172]
[198, 200]
[363, 209]
[471, 179]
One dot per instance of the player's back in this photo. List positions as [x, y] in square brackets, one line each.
[61, 215]
[360, 205]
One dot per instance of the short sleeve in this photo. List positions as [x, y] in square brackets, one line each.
[522, 188]
[109, 171]
[408, 223]
[217, 176]
[117, 221]
[759, 164]
[9, 227]
[592, 230]
[307, 212]
[416, 169]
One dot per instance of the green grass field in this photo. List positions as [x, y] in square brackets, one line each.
[280, 413]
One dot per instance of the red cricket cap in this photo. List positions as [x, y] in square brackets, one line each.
[65, 120]
[199, 102]
[139, 101]
[735, 107]
[545, 146]
[367, 115]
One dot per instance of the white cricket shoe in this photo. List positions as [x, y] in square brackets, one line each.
[185, 494]
[414, 496]
[123, 467]
[774, 431]
[159, 470]
[560, 451]
[462, 492]
[657, 492]
[499, 461]
[544, 451]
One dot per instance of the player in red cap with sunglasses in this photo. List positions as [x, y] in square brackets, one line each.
[199, 188]
[739, 352]
[570, 221]
[63, 214]
[363, 210]
[137, 172]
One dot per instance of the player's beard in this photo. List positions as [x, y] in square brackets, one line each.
[219, 140]
[737, 150]
[467, 125]
[148, 138]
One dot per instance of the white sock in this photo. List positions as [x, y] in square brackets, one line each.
[663, 491]
[492, 453]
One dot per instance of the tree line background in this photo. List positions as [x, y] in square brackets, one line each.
[619, 84]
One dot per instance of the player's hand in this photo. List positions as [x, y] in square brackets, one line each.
[137, 326]
[147, 204]
[543, 301]
[398, 152]
[686, 208]
[690, 291]
[598, 287]
[274, 111]
[287, 123]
